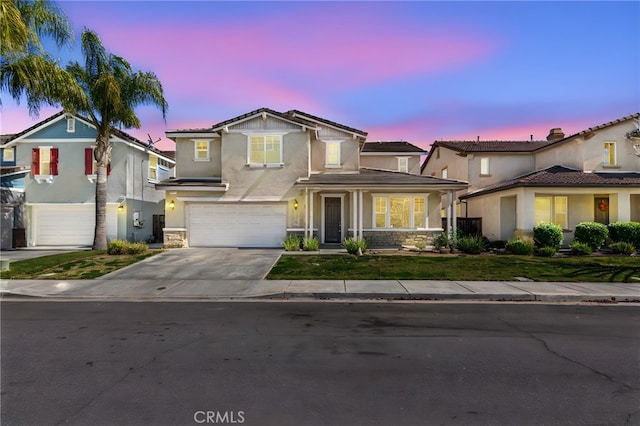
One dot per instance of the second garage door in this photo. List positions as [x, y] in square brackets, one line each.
[237, 225]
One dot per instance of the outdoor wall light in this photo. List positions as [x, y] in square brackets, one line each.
[172, 204]
[295, 204]
[121, 207]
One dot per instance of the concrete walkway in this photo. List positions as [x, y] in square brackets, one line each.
[194, 289]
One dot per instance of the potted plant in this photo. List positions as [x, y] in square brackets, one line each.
[442, 243]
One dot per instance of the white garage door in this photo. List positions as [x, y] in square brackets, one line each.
[237, 225]
[64, 225]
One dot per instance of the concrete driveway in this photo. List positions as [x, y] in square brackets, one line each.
[202, 264]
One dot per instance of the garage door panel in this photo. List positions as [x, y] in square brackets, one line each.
[59, 226]
[237, 225]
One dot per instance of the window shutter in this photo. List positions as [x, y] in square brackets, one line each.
[108, 169]
[54, 161]
[88, 161]
[35, 161]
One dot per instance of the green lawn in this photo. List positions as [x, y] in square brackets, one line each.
[471, 268]
[73, 265]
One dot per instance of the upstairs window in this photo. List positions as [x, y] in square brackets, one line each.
[403, 164]
[609, 154]
[44, 161]
[9, 156]
[484, 166]
[332, 154]
[158, 169]
[445, 173]
[265, 150]
[91, 165]
[201, 152]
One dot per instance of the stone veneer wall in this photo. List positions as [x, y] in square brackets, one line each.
[175, 238]
[399, 238]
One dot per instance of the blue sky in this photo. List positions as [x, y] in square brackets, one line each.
[415, 71]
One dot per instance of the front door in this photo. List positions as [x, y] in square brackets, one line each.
[332, 225]
[601, 212]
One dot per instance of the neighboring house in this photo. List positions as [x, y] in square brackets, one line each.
[251, 180]
[12, 178]
[55, 157]
[395, 156]
[593, 175]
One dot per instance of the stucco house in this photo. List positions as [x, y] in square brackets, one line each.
[593, 175]
[400, 156]
[251, 180]
[56, 159]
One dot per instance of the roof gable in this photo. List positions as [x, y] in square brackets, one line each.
[388, 147]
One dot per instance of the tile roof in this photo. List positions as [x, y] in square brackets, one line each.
[594, 128]
[294, 113]
[391, 146]
[378, 178]
[492, 146]
[562, 176]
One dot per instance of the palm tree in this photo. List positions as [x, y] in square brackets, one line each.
[25, 68]
[111, 90]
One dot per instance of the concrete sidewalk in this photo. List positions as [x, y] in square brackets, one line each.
[194, 289]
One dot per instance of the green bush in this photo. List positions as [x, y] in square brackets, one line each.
[473, 244]
[125, 247]
[622, 247]
[310, 244]
[591, 233]
[354, 245]
[518, 246]
[581, 249]
[292, 243]
[547, 235]
[628, 232]
[546, 251]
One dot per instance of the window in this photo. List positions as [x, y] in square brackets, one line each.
[552, 209]
[71, 125]
[153, 167]
[8, 155]
[445, 173]
[403, 212]
[44, 161]
[609, 154]
[159, 169]
[91, 165]
[332, 153]
[265, 150]
[484, 166]
[201, 152]
[403, 164]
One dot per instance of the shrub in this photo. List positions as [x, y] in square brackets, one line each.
[547, 235]
[292, 243]
[116, 247]
[355, 245]
[628, 232]
[420, 246]
[310, 244]
[546, 251]
[591, 233]
[581, 249]
[441, 241]
[473, 244]
[518, 246]
[622, 247]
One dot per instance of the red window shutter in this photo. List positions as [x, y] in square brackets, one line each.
[54, 161]
[108, 169]
[35, 161]
[88, 161]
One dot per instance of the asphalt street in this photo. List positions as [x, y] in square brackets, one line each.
[321, 363]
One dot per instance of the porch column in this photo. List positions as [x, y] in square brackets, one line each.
[306, 213]
[449, 197]
[354, 213]
[360, 212]
[311, 195]
[454, 212]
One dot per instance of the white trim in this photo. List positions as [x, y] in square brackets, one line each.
[321, 123]
[332, 142]
[71, 124]
[387, 220]
[263, 116]
[12, 150]
[394, 154]
[195, 188]
[249, 135]
[406, 161]
[232, 199]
